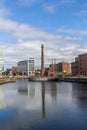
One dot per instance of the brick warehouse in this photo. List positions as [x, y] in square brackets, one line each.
[79, 67]
[62, 67]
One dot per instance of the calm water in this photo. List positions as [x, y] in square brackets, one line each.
[28, 105]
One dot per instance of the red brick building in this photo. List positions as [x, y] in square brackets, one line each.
[52, 70]
[14, 70]
[75, 66]
[55, 69]
[64, 67]
[79, 67]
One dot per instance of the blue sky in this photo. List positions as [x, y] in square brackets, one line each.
[61, 25]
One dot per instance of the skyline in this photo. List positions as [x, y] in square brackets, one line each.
[26, 24]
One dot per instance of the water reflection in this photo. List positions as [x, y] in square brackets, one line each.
[80, 94]
[2, 98]
[22, 87]
[43, 100]
[37, 93]
[25, 88]
[53, 91]
[31, 92]
[43, 105]
[42, 93]
[48, 88]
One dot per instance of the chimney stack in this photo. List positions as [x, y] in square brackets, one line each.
[42, 60]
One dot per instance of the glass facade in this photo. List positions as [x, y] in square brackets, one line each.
[27, 67]
[31, 66]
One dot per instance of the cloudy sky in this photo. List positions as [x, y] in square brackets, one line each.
[61, 25]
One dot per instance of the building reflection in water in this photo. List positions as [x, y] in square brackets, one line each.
[2, 98]
[23, 90]
[79, 91]
[53, 91]
[22, 87]
[26, 89]
[31, 90]
[43, 100]
[51, 88]
[48, 88]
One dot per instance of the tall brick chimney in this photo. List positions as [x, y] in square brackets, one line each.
[42, 60]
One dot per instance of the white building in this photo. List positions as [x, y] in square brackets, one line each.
[27, 67]
[1, 62]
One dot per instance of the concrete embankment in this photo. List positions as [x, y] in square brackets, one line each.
[73, 79]
[19, 77]
[57, 79]
[7, 80]
[38, 79]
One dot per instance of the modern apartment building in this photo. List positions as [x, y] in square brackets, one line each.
[79, 67]
[27, 67]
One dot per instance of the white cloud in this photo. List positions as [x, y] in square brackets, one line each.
[50, 8]
[27, 42]
[72, 31]
[28, 2]
[7, 25]
[81, 13]
[85, 4]
[68, 1]
[2, 2]
[4, 12]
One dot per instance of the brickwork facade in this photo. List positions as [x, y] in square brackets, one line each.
[79, 67]
[42, 60]
[55, 69]
[52, 71]
[75, 66]
[64, 67]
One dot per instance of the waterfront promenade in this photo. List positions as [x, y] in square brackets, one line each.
[6, 79]
[57, 79]
[73, 79]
